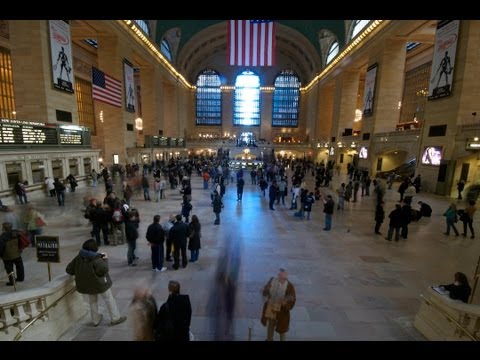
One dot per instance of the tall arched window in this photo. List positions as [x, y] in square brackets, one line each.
[358, 26]
[209, 98]
[165, 49]
[286, 97]
[142, 24]
[332, 51]
[246, 99]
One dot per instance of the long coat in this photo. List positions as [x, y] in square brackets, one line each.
[283, 316]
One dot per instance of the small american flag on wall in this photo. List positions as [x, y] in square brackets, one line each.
[106, 88]
[251, 42]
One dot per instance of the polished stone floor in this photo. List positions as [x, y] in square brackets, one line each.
[350, 283]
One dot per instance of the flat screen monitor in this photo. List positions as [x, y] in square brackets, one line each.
[432, 155]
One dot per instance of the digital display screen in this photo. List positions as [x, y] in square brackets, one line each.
[363, 153]
[432, 155]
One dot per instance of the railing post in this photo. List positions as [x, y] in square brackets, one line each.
[476, 275]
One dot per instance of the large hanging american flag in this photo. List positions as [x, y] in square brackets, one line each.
[251, 42]
[106, 88]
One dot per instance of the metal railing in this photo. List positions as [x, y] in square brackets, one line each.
[42, 313]
[449, 318]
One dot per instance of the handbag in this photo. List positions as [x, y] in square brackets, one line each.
[40, 222]
[23, 240]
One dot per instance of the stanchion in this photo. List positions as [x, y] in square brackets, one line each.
[49, 272]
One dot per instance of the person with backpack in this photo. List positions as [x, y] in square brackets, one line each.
[11, 254]
[172, 323]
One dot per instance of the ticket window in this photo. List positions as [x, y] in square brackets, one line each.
[87, 166]
[57, 169]
[38, 172]
[73, 167]
[14, 174]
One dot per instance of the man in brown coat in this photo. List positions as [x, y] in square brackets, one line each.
[280, 299]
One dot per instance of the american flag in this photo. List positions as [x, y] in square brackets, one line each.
[251, 42]
[106, 88]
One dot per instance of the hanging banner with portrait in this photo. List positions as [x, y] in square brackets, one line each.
[369, 91]
[61, 52]
[441, 77]
[129, 86]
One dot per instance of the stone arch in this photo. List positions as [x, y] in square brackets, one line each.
[326, 38]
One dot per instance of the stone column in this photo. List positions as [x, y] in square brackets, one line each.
[345, 103]
[324, 127]
[388, 85]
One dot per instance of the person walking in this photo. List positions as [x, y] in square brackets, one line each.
[143, 311]
[468, 218]
[11, 254]
[460, 187]
[240, 185]
[90, 269]
[131, 233]
[451, 218]
[156, 237]
[279, 294]
[60, 191]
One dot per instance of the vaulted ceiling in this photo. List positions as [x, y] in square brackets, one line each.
[203, 43]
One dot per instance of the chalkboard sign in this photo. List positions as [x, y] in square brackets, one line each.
[48, 249]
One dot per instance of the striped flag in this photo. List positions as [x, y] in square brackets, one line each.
[251, 42]
[106, 88]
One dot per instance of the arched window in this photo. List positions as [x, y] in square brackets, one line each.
[165, 49]
[246, 99]
[286, 98]
[332, 51]
[358, 26]
[143, 24]
[209, 98]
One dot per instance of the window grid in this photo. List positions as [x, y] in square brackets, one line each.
[415, 91]
[7, 95]
[209, 99]
[246, 99]
[142, 24]
[286, 98]
[165, 49]
[86, 115]
[332, 52]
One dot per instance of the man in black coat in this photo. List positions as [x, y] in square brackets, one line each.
[396, 221]
[173, 320]
[156, 237]
[179, 234]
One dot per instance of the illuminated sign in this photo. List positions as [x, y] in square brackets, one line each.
[472, 145]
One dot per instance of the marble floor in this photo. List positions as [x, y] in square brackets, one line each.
[350, 283]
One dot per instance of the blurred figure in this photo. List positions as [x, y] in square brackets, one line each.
[451, 218]
[11, 254]
[467, 218]
[222, 300]
[143, 311]
[50, 186]
[280, 299]
[34, 221]
[459, 289]
[195, 233]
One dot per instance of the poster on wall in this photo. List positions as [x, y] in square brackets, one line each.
[369, 91]
[129, 86]
[61, 51]
[443, 59]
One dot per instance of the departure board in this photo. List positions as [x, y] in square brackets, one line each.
[26, 133]
[71, 137]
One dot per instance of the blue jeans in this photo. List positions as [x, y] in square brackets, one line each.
[61, 198]
[451, 223]
[146, 194]
[328, 221]
[194, 255]
[22, 199]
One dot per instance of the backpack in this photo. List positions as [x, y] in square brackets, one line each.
[117, 216]
[163, 324]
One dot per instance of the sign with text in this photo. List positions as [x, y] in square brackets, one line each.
[369, 91]
[129, 86]
[61, 51]
[48, 249]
